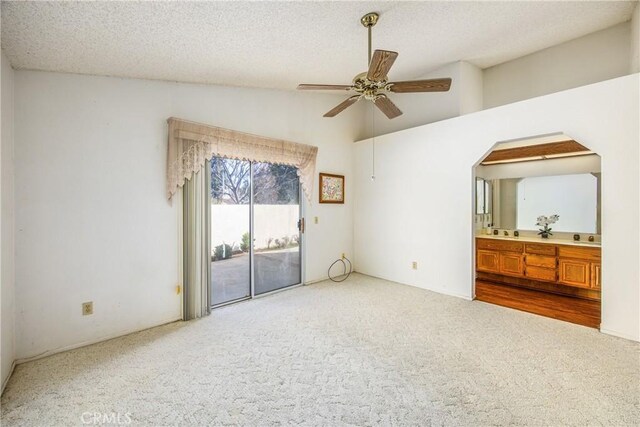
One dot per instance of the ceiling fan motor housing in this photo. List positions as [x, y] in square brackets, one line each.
[369, 89]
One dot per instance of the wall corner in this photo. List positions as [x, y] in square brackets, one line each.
[470, 96]
[635, 40]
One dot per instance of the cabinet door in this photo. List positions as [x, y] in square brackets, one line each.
[595, 275]
[511, 264]
[575, 272]
[487, 261]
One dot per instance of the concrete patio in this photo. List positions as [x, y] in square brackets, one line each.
[230, 278]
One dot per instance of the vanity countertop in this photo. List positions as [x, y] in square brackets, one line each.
[541, 240]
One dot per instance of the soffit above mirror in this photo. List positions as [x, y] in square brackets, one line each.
[532, 149]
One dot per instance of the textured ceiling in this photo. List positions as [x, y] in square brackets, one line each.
[281, 44]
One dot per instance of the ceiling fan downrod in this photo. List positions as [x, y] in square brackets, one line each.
[369, 20]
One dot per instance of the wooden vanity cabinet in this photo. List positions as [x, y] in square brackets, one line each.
[549, 264]
[561, 281]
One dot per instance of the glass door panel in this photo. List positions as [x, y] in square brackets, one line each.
[230, 230]
[276, 214]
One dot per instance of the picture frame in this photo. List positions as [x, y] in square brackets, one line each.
[331, 188]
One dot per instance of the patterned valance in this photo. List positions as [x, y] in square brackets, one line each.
[192, 144]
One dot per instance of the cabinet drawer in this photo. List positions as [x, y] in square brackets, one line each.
[538, 273]
[500, 245]
[540, 261]
[591, 254]
[540, 249]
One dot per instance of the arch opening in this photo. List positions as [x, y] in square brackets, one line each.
[537, 228]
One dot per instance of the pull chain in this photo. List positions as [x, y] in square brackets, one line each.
[373, 144]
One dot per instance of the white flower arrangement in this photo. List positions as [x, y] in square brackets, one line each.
[544, 221]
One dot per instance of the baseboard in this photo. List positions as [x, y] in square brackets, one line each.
[619, 335]
[90, 342]
[6, 381]
[311, 282]
[440, 291]
[324, 279]
[436, 290]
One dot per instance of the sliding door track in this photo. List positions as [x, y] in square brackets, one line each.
[233, 301]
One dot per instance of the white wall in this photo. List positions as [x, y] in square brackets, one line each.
[589, 59]
[420, 207]
[471, 81]
[7, 294]
[92, 220]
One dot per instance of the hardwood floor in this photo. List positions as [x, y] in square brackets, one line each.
[575, 310]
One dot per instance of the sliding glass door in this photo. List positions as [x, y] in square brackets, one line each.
[230, 230]
[255, 236]
[276, 216]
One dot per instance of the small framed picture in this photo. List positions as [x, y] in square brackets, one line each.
[331, 188]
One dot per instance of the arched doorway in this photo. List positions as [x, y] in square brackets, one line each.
[538, 229]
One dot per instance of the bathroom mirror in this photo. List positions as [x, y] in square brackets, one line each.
[483, 196]
[518, 202]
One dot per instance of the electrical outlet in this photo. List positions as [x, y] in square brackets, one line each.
[343, 255]
[414, 265]
[87, 308]
[315, 219]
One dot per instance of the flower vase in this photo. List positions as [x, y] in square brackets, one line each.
[544, 235]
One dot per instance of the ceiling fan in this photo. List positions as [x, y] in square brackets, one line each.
[373, 84]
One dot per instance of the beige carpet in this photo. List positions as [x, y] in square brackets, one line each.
[363, 352]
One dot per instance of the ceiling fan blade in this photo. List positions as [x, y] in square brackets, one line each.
[387, 107]
[432, 85]
[323, 87]
[342, 106]
[381, 63]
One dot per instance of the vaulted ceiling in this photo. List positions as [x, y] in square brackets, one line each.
[281, 44]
